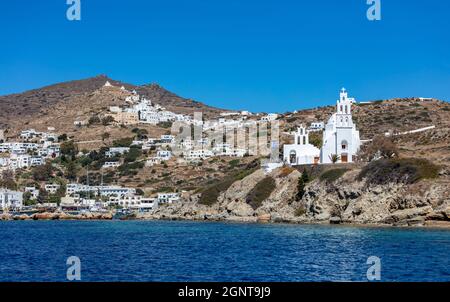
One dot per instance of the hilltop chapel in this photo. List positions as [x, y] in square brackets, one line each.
[340, 139]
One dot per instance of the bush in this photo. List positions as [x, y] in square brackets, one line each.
[62, 137]
[261, 192]
[123, 142]
[333, 175]
[43, 173]
[69, 148]
[405, 170]
[315, 138]
[166, 125]
[107, 120]
[234, 163]
[301, 211]
[381, 146]
[300, 189]
[133, 155]
[211, 194]
[94, 120]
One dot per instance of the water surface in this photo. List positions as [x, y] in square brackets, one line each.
[197, 251]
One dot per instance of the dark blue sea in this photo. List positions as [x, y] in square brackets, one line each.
[192, 251]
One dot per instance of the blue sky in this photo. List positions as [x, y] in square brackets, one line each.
[261, 55]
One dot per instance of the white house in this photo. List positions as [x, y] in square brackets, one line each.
[340, 137]
[163, 155]
[52, 188]
[114, 151]
[301, 152]
[317, 126]
[201, 154]
[111, 164]
[270, 117]
[33, 191]
[10, 199]
[168, 197]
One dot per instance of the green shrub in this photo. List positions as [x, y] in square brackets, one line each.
[107, 120]
[132, 155]
[123, 142]
[261, 192]
[211, 194]
[405, 170]
[333, 175]
[301, 211]
[93, 120]
[234, 163]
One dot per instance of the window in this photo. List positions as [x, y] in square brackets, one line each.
[344, 145]
[293, 157]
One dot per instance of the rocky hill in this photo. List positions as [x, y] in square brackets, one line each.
[336, 195]
[410, 190]
[63, 103]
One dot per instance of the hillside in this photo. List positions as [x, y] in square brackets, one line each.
[60, 104]
[395, 116]
[409, 190]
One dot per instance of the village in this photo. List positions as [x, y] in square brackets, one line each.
[340, 144]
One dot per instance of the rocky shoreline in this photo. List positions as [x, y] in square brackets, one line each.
[57, 216]
[345, 201]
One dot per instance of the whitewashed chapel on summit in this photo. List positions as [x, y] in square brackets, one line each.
[340, 139]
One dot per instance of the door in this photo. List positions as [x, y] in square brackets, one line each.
[344, 158]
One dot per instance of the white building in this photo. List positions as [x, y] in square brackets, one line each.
[114, 151]
[74, 188]
[270, 117]
[33, 191]
[111, 164]
[167, 139]
[163, 155]
[317, 126]
[10, 199]
[301, 152]
[168, 197]
[29, 134]
[201, 154]
[52, 188]
[340, 137]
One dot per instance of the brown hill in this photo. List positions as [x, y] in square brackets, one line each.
[26, 108]
[395, 116]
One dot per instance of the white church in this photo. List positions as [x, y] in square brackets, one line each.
[340, 139]
[301, 152]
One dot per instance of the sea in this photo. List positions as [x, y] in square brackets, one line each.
[147, 251]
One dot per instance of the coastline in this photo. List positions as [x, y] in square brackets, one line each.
[444, 225]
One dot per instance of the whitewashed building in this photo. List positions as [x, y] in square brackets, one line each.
[52, 188]
[10, 199]
[340, 137]
[301, 152]
[316, 126]
[168, 197]
[111, 164]
[114, 151]
[270, 117]
[200, 154]
[163, 155]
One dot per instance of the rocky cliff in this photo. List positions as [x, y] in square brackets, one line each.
[345, 200]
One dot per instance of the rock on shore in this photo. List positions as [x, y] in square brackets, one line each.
[346, 201]
[57, 216]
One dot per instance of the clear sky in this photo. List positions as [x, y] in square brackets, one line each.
[260, 55]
